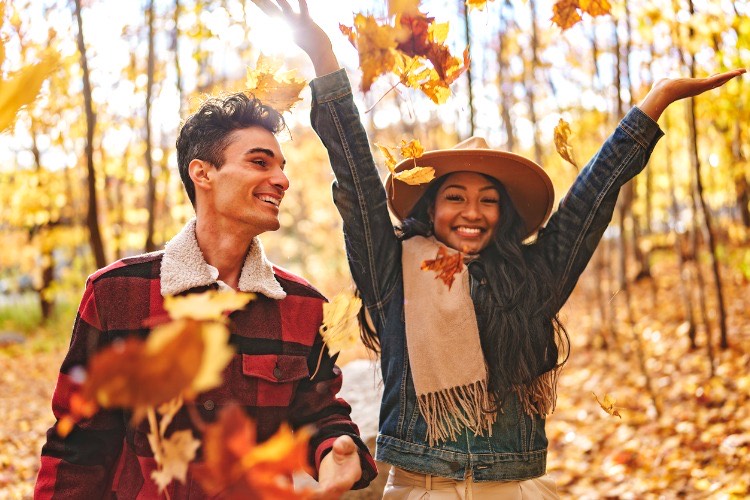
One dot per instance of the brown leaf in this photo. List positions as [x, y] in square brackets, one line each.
[445, 265]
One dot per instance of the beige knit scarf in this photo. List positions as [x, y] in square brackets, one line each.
[445, 353]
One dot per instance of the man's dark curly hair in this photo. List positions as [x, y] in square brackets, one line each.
[206, 134]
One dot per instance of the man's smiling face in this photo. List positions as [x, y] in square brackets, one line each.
[248, 188]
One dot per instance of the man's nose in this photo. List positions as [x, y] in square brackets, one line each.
[280, 180]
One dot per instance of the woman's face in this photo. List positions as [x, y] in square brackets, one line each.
[466, 212]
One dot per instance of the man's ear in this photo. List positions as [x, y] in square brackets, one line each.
[200, 172]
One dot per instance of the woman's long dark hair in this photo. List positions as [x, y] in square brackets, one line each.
[516, 301]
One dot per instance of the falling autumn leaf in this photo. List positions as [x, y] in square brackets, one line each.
[236, 466]
[476, 4]
[376, 45]
[595, 7]
[172, 455]
[181, 358]
[564, 149]
[274, 86]
[20, 88]
[210, 305]
[566, 12]
[608, 405]
[340, 327]
[445, 265]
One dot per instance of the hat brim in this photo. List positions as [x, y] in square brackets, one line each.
[528, 185]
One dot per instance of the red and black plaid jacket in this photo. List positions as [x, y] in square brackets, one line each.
[277, 348]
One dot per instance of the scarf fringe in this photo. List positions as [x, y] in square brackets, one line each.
[448, 411]
[540, 396]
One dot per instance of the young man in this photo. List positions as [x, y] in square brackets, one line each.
[233, 170]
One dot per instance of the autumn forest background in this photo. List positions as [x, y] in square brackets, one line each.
[659, 323]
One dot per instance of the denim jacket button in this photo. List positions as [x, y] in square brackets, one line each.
[208, 405]
[455, 466]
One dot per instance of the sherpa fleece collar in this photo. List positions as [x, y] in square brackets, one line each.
[183, 267]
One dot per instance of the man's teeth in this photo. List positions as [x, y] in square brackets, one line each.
[269, 199]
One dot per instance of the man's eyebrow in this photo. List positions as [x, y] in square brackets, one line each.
[265, 151]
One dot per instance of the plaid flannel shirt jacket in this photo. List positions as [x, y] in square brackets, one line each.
[277, 348]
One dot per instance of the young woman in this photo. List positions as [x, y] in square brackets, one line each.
[469, 362]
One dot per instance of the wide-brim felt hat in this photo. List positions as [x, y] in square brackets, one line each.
[528, 185]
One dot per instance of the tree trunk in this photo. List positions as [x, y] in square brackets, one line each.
[505, 85]
[531, 82]
[741, 187]
[92, 216]
[46, 305]
[151, 192]
[469, 79]
[687, 301]
[711, 234]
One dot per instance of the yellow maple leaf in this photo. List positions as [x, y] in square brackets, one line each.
[217, 353]
[438, 32]
[411, 149]
[172, 455]
[390, 161]
[340, 328]
[415, 176]
[564, 149]
[21, 88]
[209, 305]
[595, 7]
[274, 86]
[608, 405]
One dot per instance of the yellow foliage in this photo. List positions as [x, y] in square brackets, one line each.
[340, 328]
[277, 88]
[209, 305]
[20, 88]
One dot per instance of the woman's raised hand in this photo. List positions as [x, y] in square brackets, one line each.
[668, 90]
[307, 34]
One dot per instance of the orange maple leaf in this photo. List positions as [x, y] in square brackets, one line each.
[566, 12]
[595, 7]
[130, 374]
[235, 466]
[445, 265]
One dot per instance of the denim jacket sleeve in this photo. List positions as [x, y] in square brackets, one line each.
[373, 250]
[570, 237]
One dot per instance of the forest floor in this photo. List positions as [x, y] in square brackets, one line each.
[688, 436]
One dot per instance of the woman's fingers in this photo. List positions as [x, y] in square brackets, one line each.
[268, 7]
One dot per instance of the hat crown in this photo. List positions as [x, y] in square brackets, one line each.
[473, 142]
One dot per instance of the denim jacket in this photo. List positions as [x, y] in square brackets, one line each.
[517, 448]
